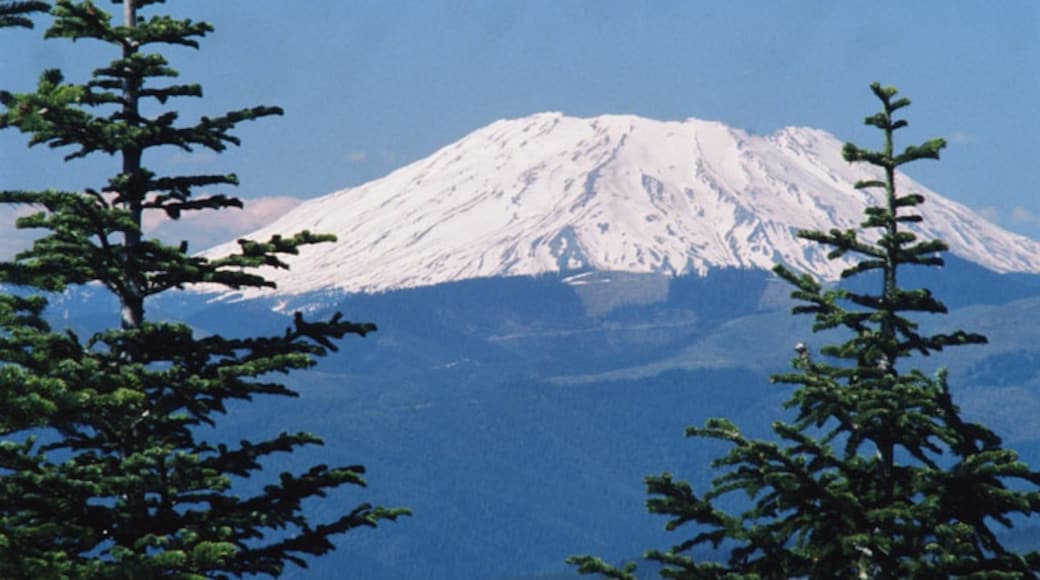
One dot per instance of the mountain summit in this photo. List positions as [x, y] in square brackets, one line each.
[551, 193]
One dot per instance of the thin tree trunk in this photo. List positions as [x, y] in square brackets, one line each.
[132, 303]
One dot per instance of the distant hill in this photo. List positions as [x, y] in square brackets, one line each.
[518, 416]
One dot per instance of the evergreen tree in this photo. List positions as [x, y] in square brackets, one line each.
[878, 475]
[105, 469]
[18, 13]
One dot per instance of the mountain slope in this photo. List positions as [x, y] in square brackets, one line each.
[550, 193]
[498, 410]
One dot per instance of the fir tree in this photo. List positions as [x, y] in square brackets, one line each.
[18, 13]
[104, 468]
[878, 475]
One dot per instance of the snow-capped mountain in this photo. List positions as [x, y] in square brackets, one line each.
[550, 193]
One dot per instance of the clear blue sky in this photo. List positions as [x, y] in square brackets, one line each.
[369, 85]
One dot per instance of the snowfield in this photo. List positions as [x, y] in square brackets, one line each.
[551, 193]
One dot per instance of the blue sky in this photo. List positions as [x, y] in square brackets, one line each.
[371, 85]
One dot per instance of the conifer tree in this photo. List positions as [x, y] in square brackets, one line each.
[18, 13]
[105, 466]
[878, 475]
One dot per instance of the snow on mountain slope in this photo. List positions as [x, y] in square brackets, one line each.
[551, 193]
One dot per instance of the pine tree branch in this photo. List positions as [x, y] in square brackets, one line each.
[17, 14]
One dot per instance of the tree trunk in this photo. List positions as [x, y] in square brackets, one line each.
[132, 301]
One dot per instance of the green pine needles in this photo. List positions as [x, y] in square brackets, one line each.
[18, 13]
[103, 468]
[878, 475]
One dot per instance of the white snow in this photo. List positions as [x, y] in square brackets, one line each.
[550, 193]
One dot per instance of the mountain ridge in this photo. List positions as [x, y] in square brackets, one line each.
[552, 193]
[521, 400]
